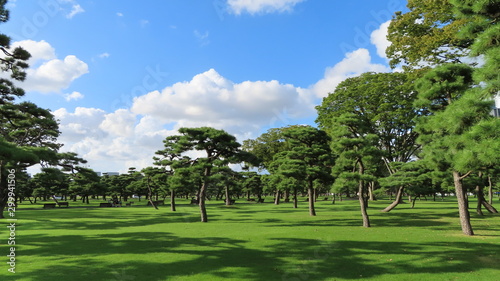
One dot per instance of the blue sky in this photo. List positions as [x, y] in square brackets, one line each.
[121, 76]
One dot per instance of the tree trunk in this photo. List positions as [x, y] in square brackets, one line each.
[202, 194]
[362, 200]
[172, 200]
[490, 191]
[371, 187]
[399, 199]
[228, 199]
[413, 201]
[310, 193]
[277, 197]
[463, 208]
[295, 200]
[363, 205]
[487, 205]
[480, 198]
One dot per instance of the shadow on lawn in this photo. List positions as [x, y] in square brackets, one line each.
[103, 222]
[163, 256]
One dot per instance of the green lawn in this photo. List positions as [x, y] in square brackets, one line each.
[251, 241]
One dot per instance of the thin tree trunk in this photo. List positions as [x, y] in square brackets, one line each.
[486, 204]
[490, 191]
[172, 200]
[202, 194]
[228, 199]
[371, 187]
[463, 208]
[277, 197]
[362, 200]
[310, 192]
[399, 199]
[333, 200]
[295, 200]
[480, 198]
[150, 194]
[413, 201]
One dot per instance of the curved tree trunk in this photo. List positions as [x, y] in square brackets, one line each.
[481, 201]
[399, 199]
[463, 206]
[413, 201]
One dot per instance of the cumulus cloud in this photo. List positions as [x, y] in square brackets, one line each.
[261, 6]
[73, 96]
[55, 75]
[39, 50]
[119, 123]
[354, 64]
[111, 141]
[210, 99]
[379, 39]
[48, 73]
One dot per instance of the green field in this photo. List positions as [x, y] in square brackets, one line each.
[251, 241]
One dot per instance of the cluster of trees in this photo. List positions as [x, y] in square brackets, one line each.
[424, 130]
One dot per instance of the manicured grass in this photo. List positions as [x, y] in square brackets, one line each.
[251, 241]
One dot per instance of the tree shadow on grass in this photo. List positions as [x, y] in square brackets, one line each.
[156, 256]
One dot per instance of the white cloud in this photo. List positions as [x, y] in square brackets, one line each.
[39, 50]
[82, 123]
[210, 99]
[76, 9]
[119, 14]
[47, 73]
[261, 6]
[119, 123]
[55, 75]
[111, 141]
[73, 96]
[379, 39]
[354, 64]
